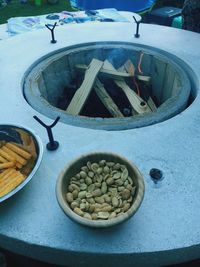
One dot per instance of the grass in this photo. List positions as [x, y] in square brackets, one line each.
[16, 9]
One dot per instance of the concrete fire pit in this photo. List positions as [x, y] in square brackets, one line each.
[165, 229]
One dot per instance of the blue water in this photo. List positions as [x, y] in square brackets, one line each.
[125, 5]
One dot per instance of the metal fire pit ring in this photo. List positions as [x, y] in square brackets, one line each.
[165, 229]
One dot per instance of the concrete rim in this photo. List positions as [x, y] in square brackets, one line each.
[170, 108]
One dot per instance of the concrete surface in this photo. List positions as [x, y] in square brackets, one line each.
[3, 32]
[165, 230]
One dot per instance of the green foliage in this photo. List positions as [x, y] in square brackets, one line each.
[16, 9]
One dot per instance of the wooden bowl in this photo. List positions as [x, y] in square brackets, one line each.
[74, 167]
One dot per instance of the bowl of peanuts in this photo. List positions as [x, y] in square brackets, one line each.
[100, 189]
[20, 156]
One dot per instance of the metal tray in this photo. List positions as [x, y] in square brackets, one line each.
[8, 131]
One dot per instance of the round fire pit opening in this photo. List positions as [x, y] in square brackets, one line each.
[108, 85]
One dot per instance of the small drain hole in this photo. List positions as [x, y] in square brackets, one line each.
[156, 175]
[142, 104]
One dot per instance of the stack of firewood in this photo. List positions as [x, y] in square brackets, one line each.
[94, 77]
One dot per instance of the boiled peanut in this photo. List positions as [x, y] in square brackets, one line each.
[104, 187]
[112, 215]
[82, 194]
[83, 186]
[84, 168]
[125, 194]
[96, 193]
[78, 211]
[75, 194]
[88, 180]
[69, 197]
[74, 204]
[106, 169]
[91, 174]
[103, 214]
[110, 181]
[102, 162]
[87, 216]
[115, 202]
[83, 174]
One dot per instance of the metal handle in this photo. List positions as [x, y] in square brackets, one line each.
[52, 145]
